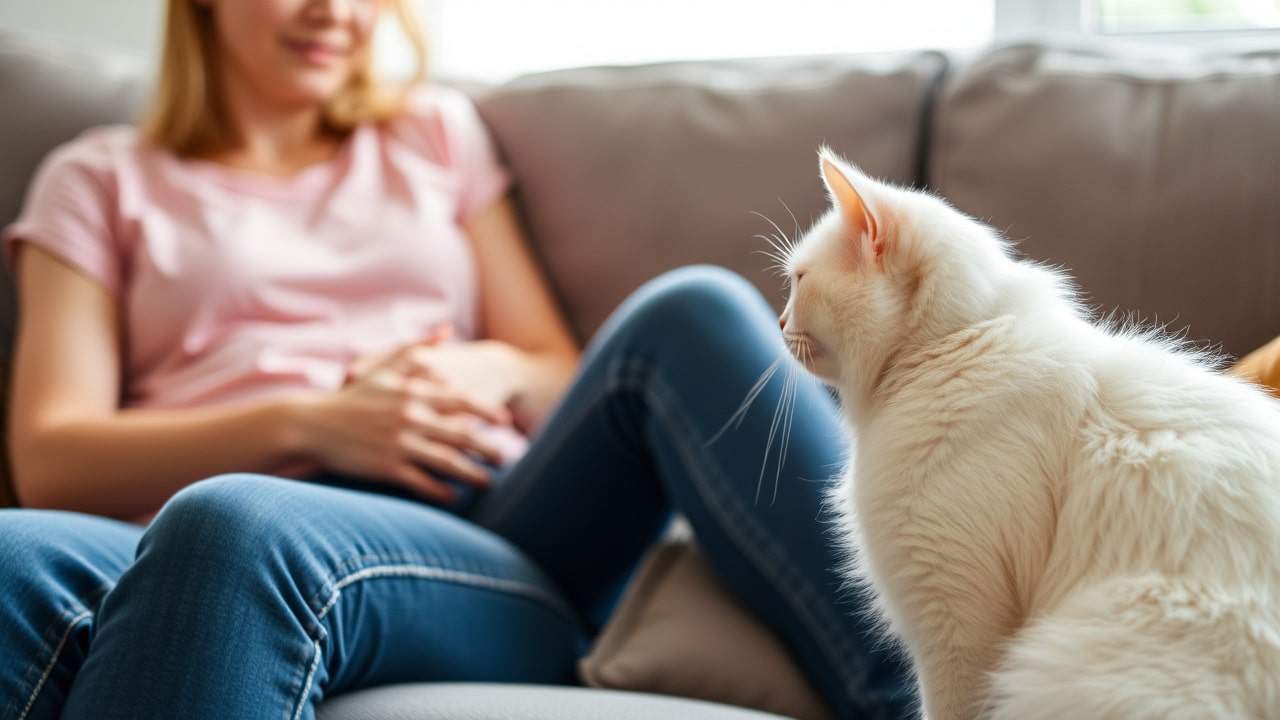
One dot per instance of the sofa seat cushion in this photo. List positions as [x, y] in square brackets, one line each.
[483, 701]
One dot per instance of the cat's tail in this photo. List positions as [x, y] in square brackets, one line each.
[1144, 647]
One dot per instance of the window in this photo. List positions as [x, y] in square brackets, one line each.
[497, 39]
[1126, 16]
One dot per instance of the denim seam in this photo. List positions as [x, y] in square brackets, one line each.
[504, 586]
[53, 660]
[736, 521]
[311, 676]
[450, 575]
[355, 563]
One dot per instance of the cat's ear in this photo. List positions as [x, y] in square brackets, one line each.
[854, 210]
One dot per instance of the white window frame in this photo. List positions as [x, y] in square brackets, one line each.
[1019, 18]
[1023, 18]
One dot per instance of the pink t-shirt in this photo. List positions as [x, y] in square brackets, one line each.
[237, 285]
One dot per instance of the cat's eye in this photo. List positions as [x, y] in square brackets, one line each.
[791, 280]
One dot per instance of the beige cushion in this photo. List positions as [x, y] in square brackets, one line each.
[677, 631]
[625, 172]
[1152, 173]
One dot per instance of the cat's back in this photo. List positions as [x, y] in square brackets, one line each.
[1162, 552]
[1175, 469]
[1158, 405]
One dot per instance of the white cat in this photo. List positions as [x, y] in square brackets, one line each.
[1058, 520]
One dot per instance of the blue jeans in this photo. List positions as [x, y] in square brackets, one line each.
[251, 596]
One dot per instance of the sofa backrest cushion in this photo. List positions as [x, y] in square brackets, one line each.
[624, 172]
[1152, 174]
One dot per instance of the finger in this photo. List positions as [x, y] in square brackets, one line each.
[364, 364]
[414, 368]
[422, 483]
[460, 434]
[440, 332]
[451, 401]
[447, 460]
[398, 355]
[489, 452]
[445, 400]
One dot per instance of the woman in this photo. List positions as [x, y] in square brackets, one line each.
[314, 293]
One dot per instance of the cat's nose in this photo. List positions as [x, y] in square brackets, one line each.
[782, 322]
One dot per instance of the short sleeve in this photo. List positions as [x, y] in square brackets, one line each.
[468, 147]
[68, 212]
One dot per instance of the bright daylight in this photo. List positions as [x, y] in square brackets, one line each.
[594, 359]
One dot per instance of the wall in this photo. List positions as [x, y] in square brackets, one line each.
[130, 25]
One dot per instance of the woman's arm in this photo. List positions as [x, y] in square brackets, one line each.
[528, 336]
[69, 445]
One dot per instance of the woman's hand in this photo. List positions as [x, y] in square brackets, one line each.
[396, 358]
[489, 370]
[399, 428]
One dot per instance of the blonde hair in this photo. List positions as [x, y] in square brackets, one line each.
[187, 113]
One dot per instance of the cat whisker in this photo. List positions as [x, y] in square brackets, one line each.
[773, 251]
[741, 413]
[789, 394]
[785, 245]
[777, 269]
[795, 235]
[779, 243]
[779, 264]
[779, 249]
[768, 443]
[804, 353]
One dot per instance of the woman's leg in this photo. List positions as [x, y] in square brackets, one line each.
[663, 377]
[256, 597]
[55, 568]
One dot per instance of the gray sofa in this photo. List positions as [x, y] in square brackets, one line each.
[1154, 174]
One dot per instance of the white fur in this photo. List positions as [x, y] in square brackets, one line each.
[1058, 519]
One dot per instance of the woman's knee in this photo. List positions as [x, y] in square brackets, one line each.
[697, 301]
[226, 522]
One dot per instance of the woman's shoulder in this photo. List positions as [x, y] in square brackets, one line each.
[100, 145]
[99, 152]
[72, 205]
[434, 99]
[439, 120]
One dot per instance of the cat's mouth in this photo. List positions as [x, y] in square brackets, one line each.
[803, 347]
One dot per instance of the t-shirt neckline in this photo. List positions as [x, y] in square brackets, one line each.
[260, 183]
